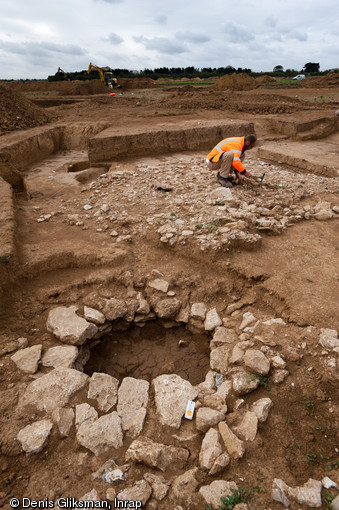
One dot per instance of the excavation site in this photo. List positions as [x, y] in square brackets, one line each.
[166, 341]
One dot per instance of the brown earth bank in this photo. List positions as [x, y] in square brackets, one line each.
[132, 285]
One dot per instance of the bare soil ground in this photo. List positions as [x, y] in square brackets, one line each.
[61, 254]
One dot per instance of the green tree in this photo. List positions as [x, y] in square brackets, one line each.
[311, 67]
[278, 69]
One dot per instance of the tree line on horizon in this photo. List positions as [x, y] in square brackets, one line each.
[310, 68]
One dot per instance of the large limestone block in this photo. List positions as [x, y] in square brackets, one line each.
[256, 361]
[212, 320]
[93, 315]
[104, 389]
[329, 339]
[216, 490]
[223, 336]
[132, 404]
[219, 358]
[159, 284]
[243, 382]
[171, 396]
[64, 418]
[156, 455]
[68, 327]
[184, 486]
[27, 360]
[308, 494]
[141, 491]
[167, 308]
[207, 418]
[114, 309]
[198, 311]
[33, 437]
[60, 356]
[247, 319]
[159, 484]
[53, 390]
[248, 427]
[232, 443]
[101, 435]
[84, 412]
[210, 449]
[262, 408]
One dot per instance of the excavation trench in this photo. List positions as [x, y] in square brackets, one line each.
[146, 353]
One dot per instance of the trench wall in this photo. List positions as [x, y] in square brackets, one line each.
[111, 144]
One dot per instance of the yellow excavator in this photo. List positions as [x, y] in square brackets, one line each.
[106, 76]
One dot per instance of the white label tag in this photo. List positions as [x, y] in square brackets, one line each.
[190, 410]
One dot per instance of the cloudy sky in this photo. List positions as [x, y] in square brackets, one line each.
[38, 36]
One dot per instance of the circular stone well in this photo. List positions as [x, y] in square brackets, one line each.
[146, 353]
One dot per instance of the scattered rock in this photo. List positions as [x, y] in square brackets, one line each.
[104, 389]
[216, 490]
[262, 408]
[184, 486]
[132, 405]
[234, 446]
[27, 360]
[329, 339]
[68, 327]
[156, 455]
[212, 320]
[33, 437]
[101, 435]
[256, 361]
[114, 309]
[53, 390]
[141, 492]
[60, 356]
[171, 396]
[210, 449]
[92, 315]
[207, 418]
[63, 418]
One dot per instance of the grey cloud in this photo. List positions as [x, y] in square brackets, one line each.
[40, 48]
[192, 38]
[271, 21]
[110, 1]
[235, 33]
[160, 44]
[293, 34]
[299, 36]
[161, 19]
[114, 38]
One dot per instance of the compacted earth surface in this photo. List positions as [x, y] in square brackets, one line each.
[133, 286]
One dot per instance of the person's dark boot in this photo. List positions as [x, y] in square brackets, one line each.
[225, 183]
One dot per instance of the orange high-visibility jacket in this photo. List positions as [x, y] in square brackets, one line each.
[236, 145]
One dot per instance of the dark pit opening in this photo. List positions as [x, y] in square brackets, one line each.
[146, 353]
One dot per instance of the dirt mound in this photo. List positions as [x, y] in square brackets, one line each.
[236, 82]
[329, 80]
[188, 98]
[265, 79]
[137, 83]
[17, 112]
[85, 88]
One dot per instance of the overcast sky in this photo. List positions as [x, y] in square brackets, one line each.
[38, 36]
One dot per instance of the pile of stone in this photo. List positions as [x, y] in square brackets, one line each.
[242, 352]
[194, 209]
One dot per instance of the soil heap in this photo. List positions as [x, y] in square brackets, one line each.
[17, 112]
[84, 88]
[328, 80]
[236, 82]
[265, 78]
